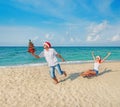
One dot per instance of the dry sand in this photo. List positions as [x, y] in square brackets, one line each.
[31, 86]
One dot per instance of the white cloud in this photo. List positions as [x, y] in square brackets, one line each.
[95, 30]
[96, 34]
[116, 38]
[72, 39]
[93, 38]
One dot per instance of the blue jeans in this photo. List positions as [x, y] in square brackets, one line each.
[52, 70]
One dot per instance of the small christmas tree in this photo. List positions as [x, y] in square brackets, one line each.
[31, 48]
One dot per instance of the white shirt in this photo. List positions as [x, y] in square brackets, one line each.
[96, 65]
[50, 56]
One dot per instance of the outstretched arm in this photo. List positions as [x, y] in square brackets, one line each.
[93, 55]
[59, 56]
[106, 56]
[36, 56]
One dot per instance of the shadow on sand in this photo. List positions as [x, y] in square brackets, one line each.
[105, 71]
[72, 76]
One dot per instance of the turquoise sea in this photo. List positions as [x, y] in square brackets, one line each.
[12, 56]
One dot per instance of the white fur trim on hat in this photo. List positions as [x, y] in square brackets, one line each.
[98, 57]
[48, 44]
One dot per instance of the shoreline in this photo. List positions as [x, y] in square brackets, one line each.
[62, 63]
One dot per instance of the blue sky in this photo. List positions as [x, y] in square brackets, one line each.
[62, 22]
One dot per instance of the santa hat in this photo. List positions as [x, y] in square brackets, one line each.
[100, 60]
[48, 44]
[98, 57]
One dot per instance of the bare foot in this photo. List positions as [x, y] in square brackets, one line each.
[55, 80]
[82, 74]
[64, 73]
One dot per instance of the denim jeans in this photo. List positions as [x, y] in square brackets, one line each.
[52, 70]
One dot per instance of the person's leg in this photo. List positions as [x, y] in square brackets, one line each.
[58, 68]
[52, 74]
[86, 73]
[91, 73]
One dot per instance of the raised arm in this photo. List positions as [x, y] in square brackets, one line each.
[106, 56]
[93, 55]
[59, 56]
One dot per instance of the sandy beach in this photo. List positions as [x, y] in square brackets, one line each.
[31, 86]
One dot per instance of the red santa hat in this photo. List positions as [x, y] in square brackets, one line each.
[48, 44]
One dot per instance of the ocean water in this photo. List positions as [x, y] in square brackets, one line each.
[12, 56]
